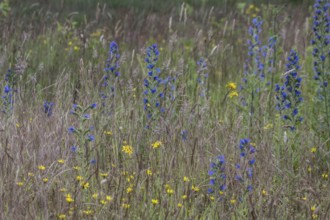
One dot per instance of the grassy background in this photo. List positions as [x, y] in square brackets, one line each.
[58, 52]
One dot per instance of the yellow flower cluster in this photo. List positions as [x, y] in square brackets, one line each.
[268, 126]
[231, 86]
[127, 149]
[61, 216]
[232, 89]
[155, 201]
[252, 10]
[85, 185]
[41, 167]
[157, 144]
[195, 188]
[108, 133]
[60, 161]
[126, 205]
[129, 189]
[149, 172]
[170, 191]
[20, 183]
[88, 212]
[313, 150]
[68, 198]
[186, 179]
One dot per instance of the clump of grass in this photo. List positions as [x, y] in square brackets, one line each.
[88, 163]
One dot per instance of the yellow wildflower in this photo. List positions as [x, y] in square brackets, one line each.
[108, 133]
[108, 198]
[180, 205]
[325, 176]
[68, 198]
[127, 149]
[264, 192]
[45, 180]
[232, 201]
[20, 183]
[170, 191]
[103, 202]
[30, 174]
[129, 190]
[104, 174]
[76, 168]
[252, 10]
[157, 144]
[184, 197]
[233, 94]
[76, 48]
[71, 211]
[231, 86]
[212, 198]
[62, 190]
[60, 161]
[304, 198]
[95, 195]
[96, 34]
[314, 216]
[79, 178]
[313, 150]
[88, 212]
[61, 216]
[309, 169]
[221, 192]
[268, 126]
[155, 201]
[41, 167]
[195, 188]
[126, 205]
[85, 185]
[186, 179]
[313, 208]
[149, 172]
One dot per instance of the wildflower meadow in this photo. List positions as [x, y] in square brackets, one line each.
[165, 109]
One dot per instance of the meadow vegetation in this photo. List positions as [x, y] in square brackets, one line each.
[191, 112]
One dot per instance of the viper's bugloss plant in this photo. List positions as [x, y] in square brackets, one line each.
[202, 78]
[110, 79]
[8, 92]
[245, 164]
[153, 89]
[48, 108]
[11, 78]
[254, 74]
[217, 175]
[321, 56]
[254, 63]
[7, 99]
[82, 134]
[288, 95]
[271, 67]
[241, 180]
